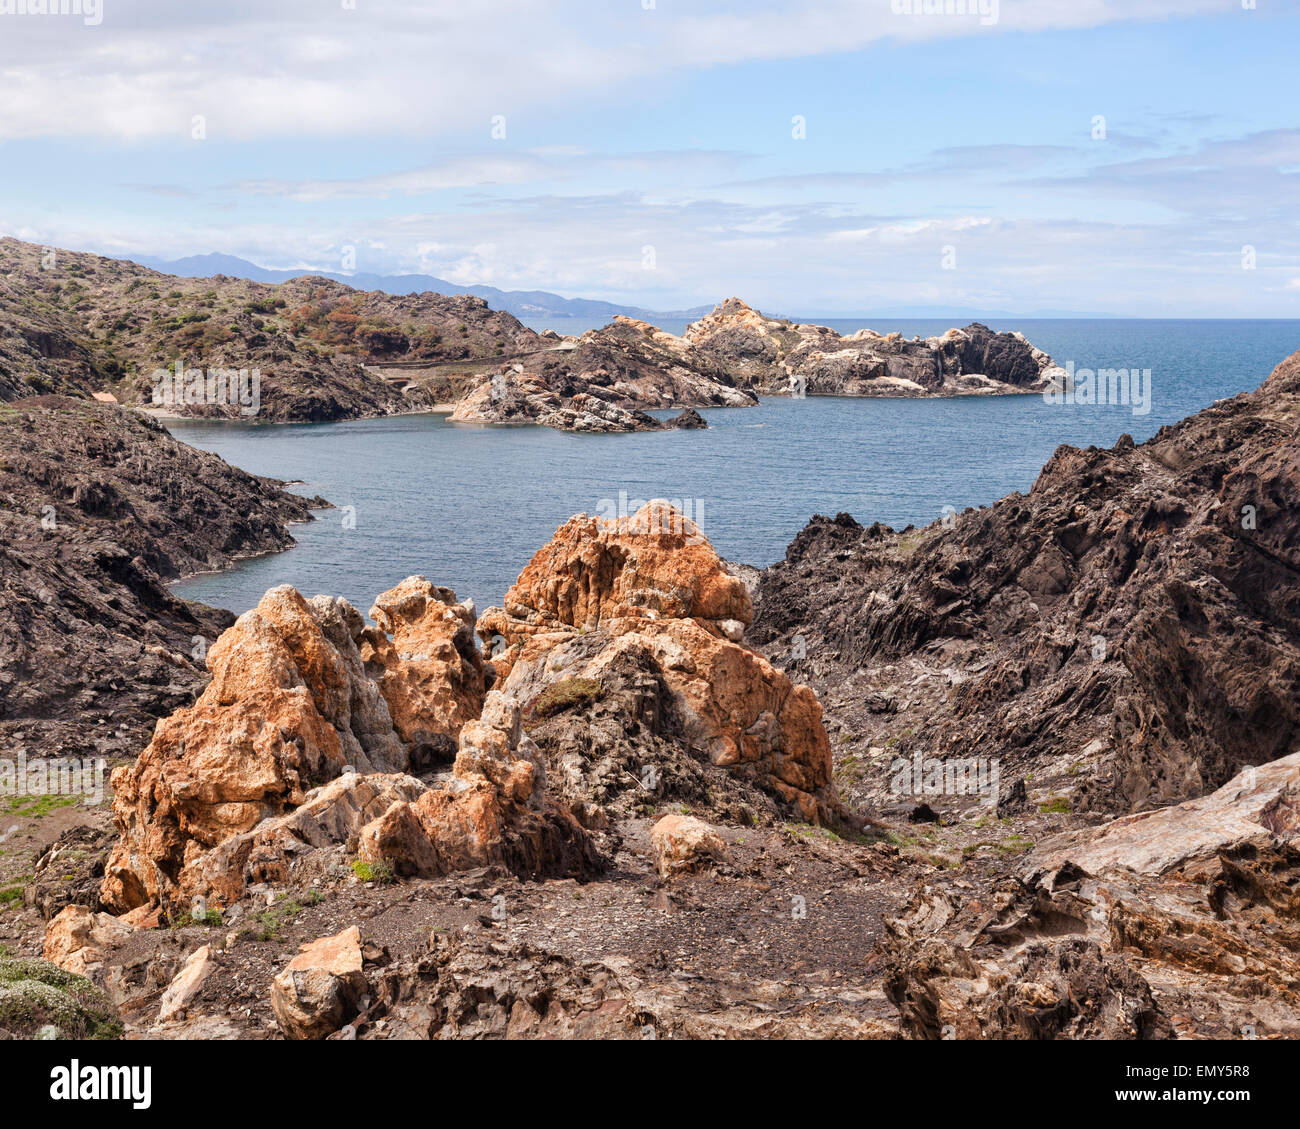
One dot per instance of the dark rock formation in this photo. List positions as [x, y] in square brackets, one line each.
[1130, 628]
[98, 508]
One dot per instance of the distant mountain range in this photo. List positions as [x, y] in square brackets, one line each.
[522, 303]
[538, 305]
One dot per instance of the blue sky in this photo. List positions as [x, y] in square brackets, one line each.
[649, 153]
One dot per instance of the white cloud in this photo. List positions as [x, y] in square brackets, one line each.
[415, 68]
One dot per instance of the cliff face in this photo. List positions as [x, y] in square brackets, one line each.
[1126, 634]
[97, 508]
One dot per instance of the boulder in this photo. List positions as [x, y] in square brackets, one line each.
[186, 984]
[682, 843]
[320, 989]
[79, 940]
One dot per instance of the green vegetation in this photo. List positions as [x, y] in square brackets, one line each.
[381, 871]
[271, 924]
[1059, 805]
[36, 993]
[209, 918]
[12, 895]
[35, 807]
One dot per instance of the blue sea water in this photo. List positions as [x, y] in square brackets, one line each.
[467, 506]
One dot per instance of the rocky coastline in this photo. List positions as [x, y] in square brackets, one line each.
[1027, 773]
[315, 350]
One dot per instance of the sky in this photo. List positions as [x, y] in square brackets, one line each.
[814, 157]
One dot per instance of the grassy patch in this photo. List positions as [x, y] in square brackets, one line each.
[35, 807]
[1059, 805]
[209, 919]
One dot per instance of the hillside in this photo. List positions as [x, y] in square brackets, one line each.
[87, 324]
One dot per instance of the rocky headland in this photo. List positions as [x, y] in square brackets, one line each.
[775, 356]
[87, 326]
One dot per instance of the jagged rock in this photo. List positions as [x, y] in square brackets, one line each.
[493, 811]
[773, 355]
[102, 507]
[320, 988]
[682, 842]
[1067, 989]
[331, 815]
[653, 564]
[1137, 613]
[651, 584]
[522, 398]
[69, 871]
[1258, 809]
[426, 663]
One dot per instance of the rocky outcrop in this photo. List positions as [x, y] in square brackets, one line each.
[647, 590]
[518, 397]
[1177, 923]
[302, 740]
[1127, 633]
[290, 706]
[1255, 812]
[637, 365]
[777, 356]
[98, 509]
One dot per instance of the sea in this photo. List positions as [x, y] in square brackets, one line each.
[467, 506]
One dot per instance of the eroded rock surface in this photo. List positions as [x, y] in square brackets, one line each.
[1128, 632]
[649, 586]
[773, 355]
